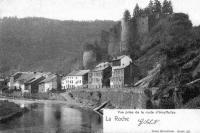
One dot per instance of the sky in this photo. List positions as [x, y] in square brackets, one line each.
[87, 9]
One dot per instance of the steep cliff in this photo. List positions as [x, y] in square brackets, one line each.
[175, 45]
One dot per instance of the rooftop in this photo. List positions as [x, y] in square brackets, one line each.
[101, 66]
[78, 73]
[119, 57]
[49, 78]
[26, 77]
[40, 78]
[23, 77]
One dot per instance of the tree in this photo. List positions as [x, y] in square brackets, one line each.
[178, 29]
[167, 7]
[136, 11]
[157, 7]
[127, 15]
[150, 7]
[170, 10]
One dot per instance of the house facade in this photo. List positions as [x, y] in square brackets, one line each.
[122, 72]
[32, 86]
[18, 80]
[51, 82]
[26, 82]
[13, 82]
[75, 79]
[99, 77]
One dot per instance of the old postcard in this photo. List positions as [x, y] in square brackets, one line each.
[99, 66]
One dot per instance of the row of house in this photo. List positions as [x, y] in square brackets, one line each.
[117, 73]
[34, 82]
[114, 74]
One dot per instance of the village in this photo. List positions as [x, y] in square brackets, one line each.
[114, 74]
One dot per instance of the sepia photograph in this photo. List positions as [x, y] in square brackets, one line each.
[97, 66]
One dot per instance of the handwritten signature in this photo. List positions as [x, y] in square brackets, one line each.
[147, 121]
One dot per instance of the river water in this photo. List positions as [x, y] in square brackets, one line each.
[53, 118]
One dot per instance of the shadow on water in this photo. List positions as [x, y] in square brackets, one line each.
[53, 118]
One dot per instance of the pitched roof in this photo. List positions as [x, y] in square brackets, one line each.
[78, 73]
[17, 75]
[40, 78]
[101, 66]
[49, 78]
[119, 57]
[25, 77]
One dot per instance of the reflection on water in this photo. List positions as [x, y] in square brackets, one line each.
[53, 118]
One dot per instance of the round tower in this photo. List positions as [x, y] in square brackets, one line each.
[125, 33]
[89, 56]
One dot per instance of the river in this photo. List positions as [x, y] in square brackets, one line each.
[47, 117]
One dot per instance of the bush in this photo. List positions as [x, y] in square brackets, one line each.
[194, 103]
[167, 103]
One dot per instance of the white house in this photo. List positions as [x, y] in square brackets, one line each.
[121, 61]
[75, 79]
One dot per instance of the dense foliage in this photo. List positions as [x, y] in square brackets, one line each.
[45, 44]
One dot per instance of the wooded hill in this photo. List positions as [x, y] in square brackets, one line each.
[45, 44]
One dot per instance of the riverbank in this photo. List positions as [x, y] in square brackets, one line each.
[91, 98]
[64, 98]
[58, 98]
[9, 110]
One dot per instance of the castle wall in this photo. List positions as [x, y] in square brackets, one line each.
[143, 25]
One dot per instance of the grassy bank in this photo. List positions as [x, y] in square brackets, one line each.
[35, 96]
[8, 110]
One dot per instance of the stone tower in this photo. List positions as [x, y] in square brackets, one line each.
[125, 35]
[89, 58]
[114, 40]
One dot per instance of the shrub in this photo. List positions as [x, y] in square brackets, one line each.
[194, 103]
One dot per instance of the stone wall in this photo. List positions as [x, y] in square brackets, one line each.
[128, 99]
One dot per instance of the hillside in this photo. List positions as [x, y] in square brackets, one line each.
[175, 45]
[45, 44]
